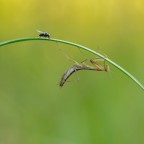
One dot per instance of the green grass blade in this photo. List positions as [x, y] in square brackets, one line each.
[78, 46]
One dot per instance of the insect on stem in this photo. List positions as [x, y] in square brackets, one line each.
[43, 34]
[82, 66]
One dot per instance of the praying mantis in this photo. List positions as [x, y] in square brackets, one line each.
[82, 66]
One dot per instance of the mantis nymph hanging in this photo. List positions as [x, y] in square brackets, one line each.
[82, 66]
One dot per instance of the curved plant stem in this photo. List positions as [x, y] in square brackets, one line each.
[79, 46]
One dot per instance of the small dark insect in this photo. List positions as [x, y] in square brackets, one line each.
[43, 34]
[83, 66]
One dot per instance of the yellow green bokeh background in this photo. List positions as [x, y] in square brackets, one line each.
[100, 108]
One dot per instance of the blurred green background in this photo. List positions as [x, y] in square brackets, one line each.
[103, 108]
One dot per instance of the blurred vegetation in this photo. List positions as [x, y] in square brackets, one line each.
[105, 108]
